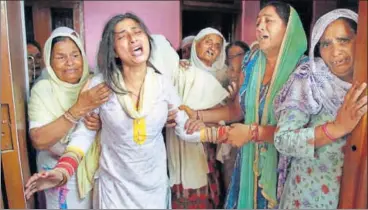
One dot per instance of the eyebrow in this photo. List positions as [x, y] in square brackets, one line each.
[267, 15]
[122, 31]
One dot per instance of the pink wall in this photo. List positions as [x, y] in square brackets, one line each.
[161, 17]
[246, 27]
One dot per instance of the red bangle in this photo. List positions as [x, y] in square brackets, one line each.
[222, 131]
[63, 161]
[324, 128]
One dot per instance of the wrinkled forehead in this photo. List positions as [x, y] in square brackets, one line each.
[215, 38]
[337, 28]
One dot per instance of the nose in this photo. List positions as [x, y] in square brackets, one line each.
[260, 26]
[69, 61]
[132, 38]
[336, 50]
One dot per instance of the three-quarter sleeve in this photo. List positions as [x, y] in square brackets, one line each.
[181, 116]
[291, 138]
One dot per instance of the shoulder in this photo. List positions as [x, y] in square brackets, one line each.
[96, 79]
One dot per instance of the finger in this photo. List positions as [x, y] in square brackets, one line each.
[172, 115]
[347, 95]
[357, 92]
[103, 90]
[362, 111]
[103, 95]
[95, 116]
[92, 118]
[30, 188]
[231, 91]
[187, 124]
[193, 125]
[30, 193]
[361, 102]
[33, 178]
[92, 125]
[170, 125]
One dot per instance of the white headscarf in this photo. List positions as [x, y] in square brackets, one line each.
[52, 94]
[187, 40]
[322, 23]
[219, 64]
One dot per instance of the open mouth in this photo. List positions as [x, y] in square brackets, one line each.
[340, 62]
[264, 37]
[137, 51]
[210, 53]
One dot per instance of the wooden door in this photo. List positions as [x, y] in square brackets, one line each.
[42, 17]
[14, 156]
[353, 193]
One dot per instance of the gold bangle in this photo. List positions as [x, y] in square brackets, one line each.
[202, 135]
[69, 118]
[65, 176]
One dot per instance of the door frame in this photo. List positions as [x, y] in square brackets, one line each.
[14, 155]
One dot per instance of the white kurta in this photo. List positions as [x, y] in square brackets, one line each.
[132, 175]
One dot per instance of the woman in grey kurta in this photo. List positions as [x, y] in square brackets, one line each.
[315, 117]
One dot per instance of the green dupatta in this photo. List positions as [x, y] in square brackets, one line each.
[262, 163]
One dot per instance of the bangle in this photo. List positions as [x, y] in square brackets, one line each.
[214, 135]
[222, 131]
[324, 128]
[254, 131]
[69, 118]
[65, 176]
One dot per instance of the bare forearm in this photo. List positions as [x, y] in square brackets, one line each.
[267, 133]
[321, 139]
[46, 136]
[227, 113]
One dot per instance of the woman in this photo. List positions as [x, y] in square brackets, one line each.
[281, 42]
[186, 46]
[316, 110]
[194, 174]
[132, 166]
[56, 101]
[235, 52]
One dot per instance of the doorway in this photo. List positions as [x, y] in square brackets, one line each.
[194, 21]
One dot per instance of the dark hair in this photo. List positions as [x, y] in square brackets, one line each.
[238, 43]
[353, 25]
[35, 43]
[106, 58]
[282, 10]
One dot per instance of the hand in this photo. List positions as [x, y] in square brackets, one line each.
[41, 181]
[90, 99]
[170, 122]
[92, 121]
[185, 64]
[192, 125]
[190, 112]
[238, 134]
[350, 112]
[233, 91]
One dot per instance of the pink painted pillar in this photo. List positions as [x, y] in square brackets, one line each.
[246, 27]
